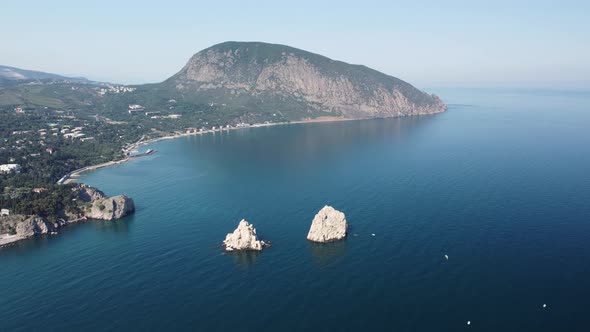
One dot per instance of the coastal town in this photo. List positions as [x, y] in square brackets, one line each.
[45, 149]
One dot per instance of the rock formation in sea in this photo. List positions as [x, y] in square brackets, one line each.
[110, 208]
[243, 238]
[103, 207]
[328, 225]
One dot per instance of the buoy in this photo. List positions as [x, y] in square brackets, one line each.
[544, 305]
[447, 257]
[468, 322]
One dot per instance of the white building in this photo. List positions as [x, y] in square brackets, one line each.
[4, 212]
[74, 135]
[7, 168]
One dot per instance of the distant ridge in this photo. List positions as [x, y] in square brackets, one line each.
[12, 74]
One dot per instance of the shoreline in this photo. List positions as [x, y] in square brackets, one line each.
[73, 175]
[7, 240]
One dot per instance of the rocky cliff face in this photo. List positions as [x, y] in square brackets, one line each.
[93, 204]
[291, 79]
[243, 238]
[110, 208]
[33, 226]
[103, 207]
[18, 227]
[328, 225]
[90, 194]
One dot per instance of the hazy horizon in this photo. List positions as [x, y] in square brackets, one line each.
[462, 44]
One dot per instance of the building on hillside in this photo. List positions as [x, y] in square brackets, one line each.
[7, 168]
[135, 108]
[191, 130]
[4, 212]
[74, 135]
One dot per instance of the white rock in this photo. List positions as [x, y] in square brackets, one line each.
[243, 238]
[328, 225]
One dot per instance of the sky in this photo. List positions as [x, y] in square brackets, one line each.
[427, 43]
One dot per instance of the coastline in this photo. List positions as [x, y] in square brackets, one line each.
[7, 240]
[72, 176]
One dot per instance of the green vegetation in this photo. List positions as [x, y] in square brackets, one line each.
[49, 204]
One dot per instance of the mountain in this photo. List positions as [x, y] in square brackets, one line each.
[228, 84]
[16, 75]
[295, 83]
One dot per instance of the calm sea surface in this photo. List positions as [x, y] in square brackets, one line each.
[500, 183]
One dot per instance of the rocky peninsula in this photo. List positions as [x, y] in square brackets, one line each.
[243, 238]
[106, 208]
[91, 204]
[328, 225]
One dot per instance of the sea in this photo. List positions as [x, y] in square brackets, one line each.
[476, 219]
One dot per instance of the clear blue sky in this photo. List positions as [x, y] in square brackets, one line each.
[428, 43]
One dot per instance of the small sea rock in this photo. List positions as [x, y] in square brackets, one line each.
[243, 238]
[328, 225]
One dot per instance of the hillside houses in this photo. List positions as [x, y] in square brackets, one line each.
[115, 89]
[9, 168]
[132, 109]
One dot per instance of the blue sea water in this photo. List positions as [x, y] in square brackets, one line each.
[500, 183]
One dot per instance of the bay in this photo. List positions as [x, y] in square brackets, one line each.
[500, 183]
